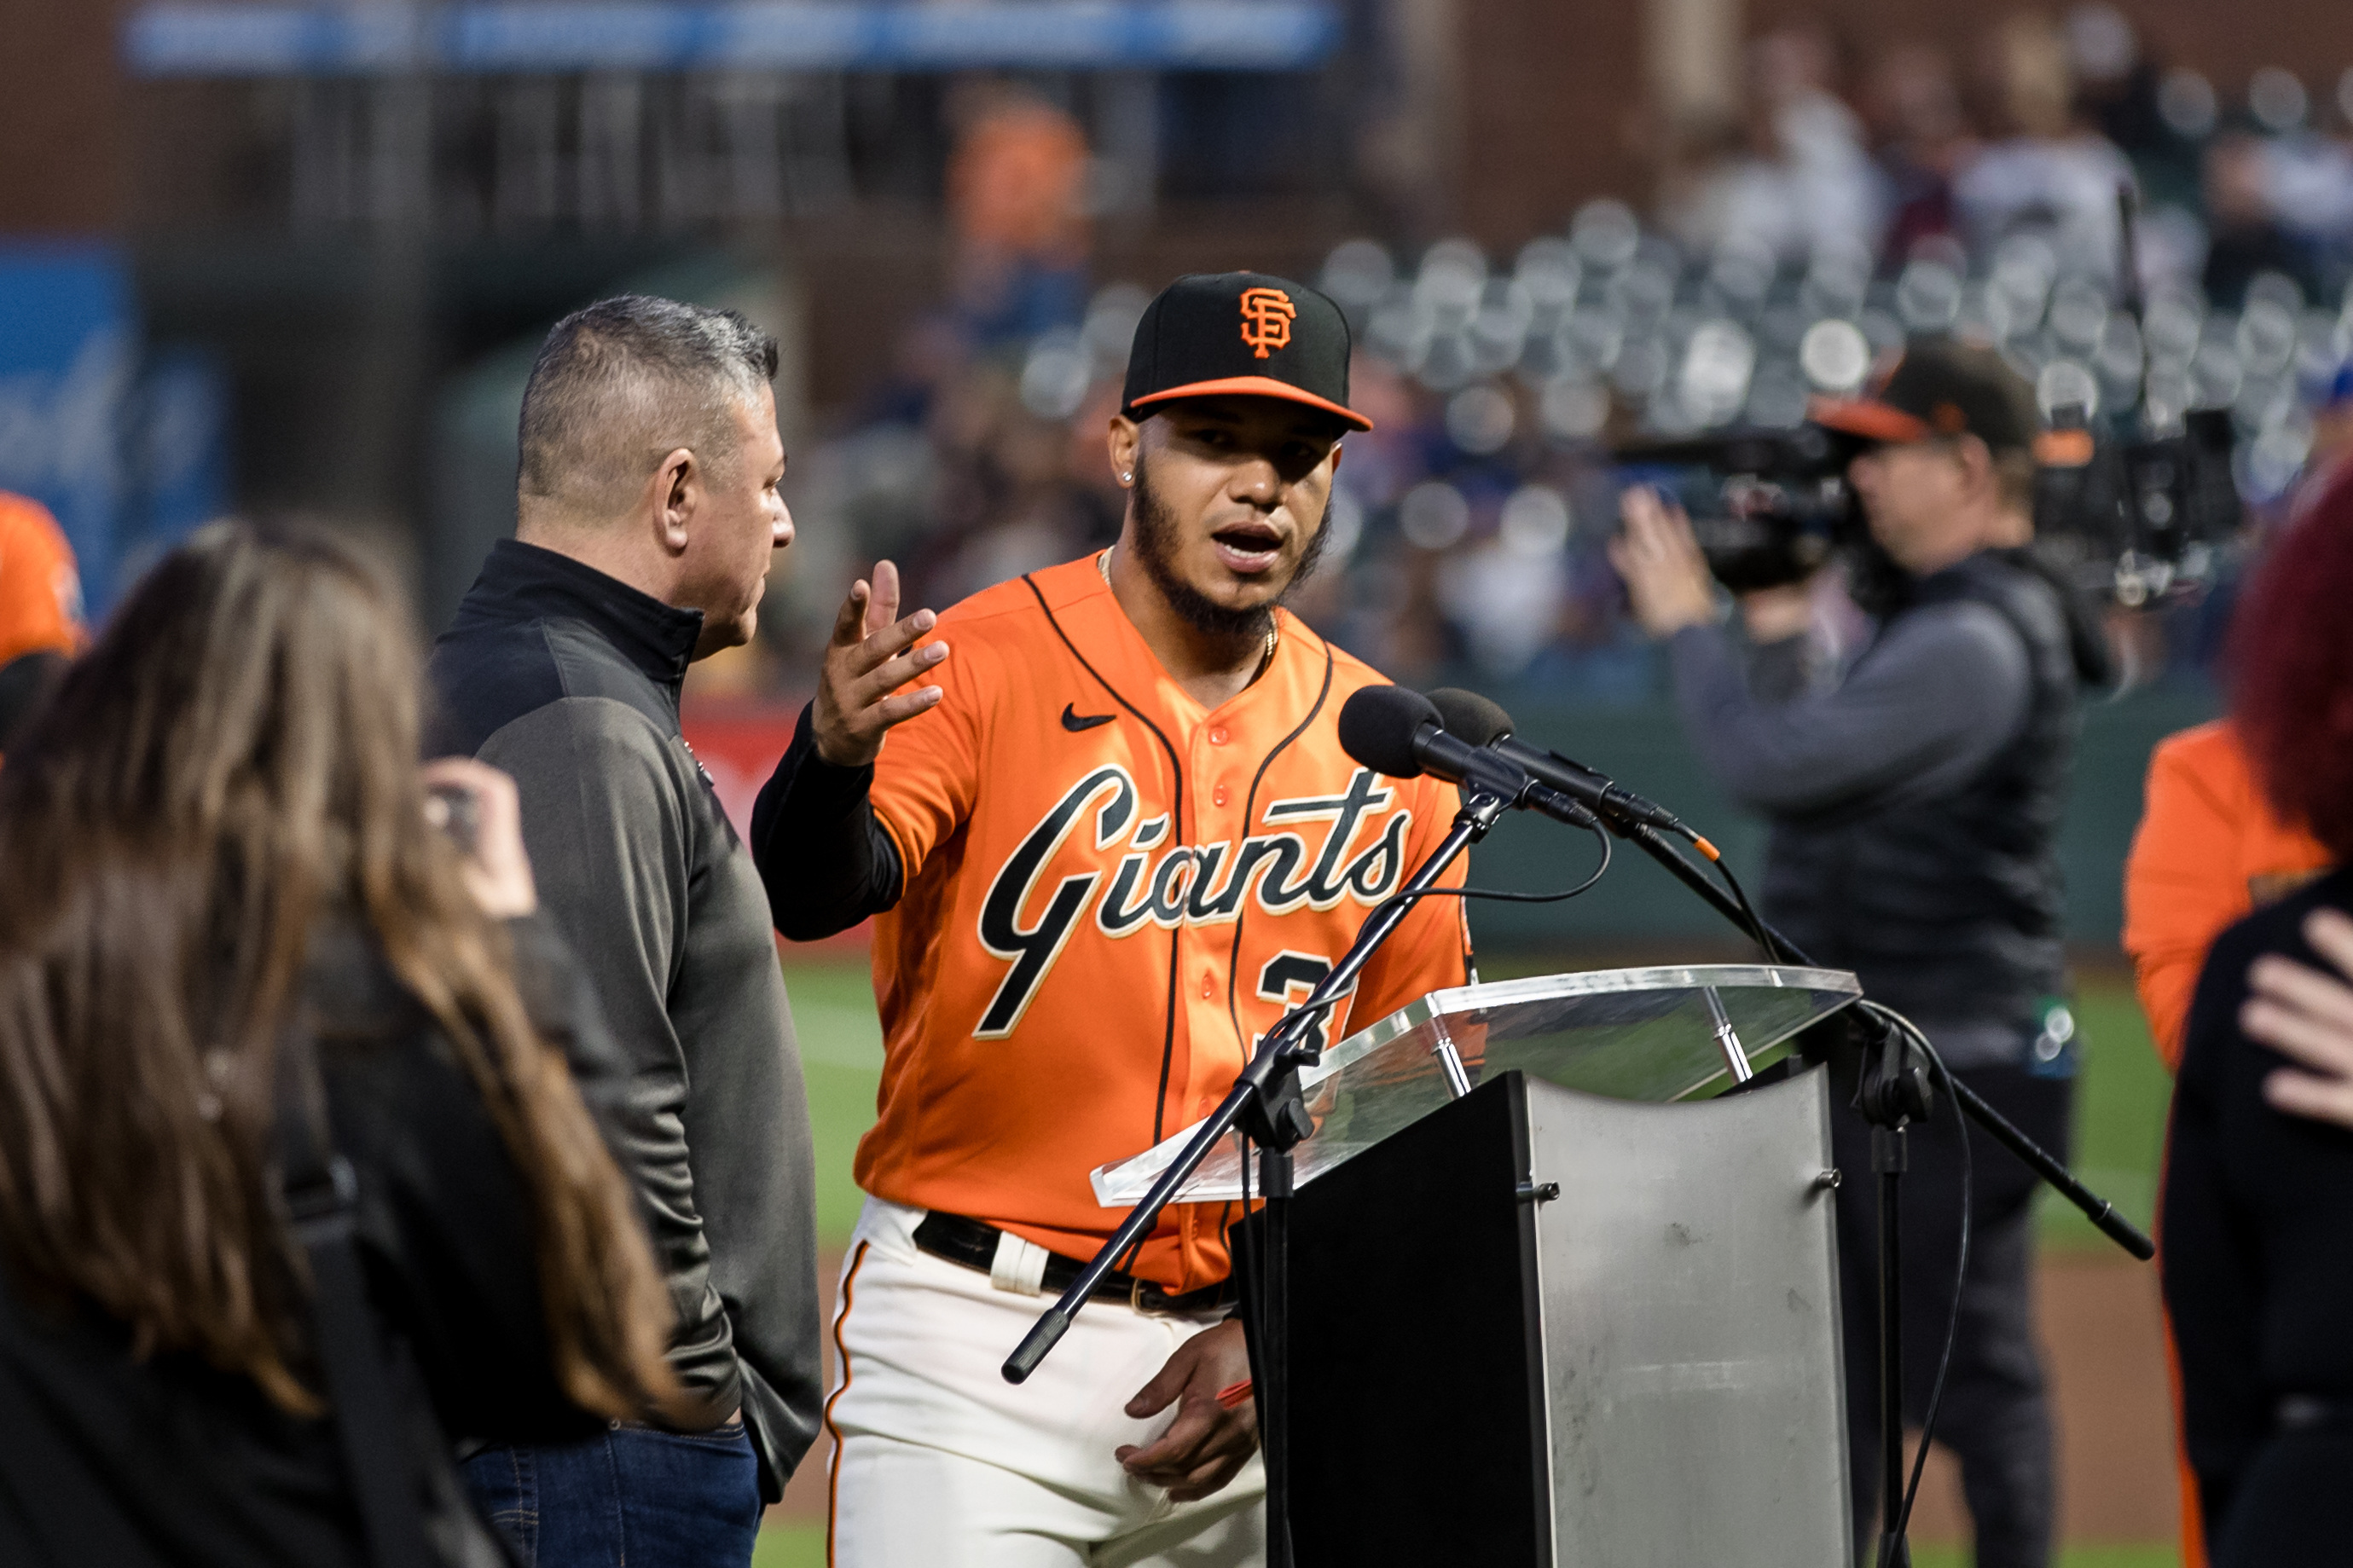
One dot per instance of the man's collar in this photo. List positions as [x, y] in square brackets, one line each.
[523, 581]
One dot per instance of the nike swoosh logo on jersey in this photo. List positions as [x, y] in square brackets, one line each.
[1073, 721]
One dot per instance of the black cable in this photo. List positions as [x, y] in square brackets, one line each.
[1961, 1268]
[1749, 910]
[1763, 939]
[1504, 896]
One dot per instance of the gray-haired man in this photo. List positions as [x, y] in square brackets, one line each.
[646, 511]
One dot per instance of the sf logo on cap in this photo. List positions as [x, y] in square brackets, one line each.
[1266, 319]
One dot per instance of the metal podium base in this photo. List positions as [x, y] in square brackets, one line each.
[1642, 1370]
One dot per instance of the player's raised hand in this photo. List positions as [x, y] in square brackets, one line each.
[872, 656]
[1209, 1442]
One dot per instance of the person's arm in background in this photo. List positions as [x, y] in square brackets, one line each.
[823, 857]
[1943, 690]
[1783, 663]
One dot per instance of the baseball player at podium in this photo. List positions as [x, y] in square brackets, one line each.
[1111, 837]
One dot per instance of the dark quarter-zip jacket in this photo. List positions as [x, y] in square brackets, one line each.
[568, 680]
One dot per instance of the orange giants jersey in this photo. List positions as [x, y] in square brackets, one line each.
[1110, 894]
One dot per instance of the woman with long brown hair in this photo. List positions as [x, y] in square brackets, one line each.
[217, 869]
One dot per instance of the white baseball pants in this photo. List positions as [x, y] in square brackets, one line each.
[938, 1460]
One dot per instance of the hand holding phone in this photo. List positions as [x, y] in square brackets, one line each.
[453, 809]
[476, 804]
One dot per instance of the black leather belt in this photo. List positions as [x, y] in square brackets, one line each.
[973, 1245]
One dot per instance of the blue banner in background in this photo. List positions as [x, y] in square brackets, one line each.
[128, 454]
[181, 39]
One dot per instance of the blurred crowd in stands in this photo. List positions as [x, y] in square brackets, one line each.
[1788, 251]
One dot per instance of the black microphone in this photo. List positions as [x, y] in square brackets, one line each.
[1468, 714]
[1397, 732]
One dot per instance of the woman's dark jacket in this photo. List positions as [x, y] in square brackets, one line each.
[2258, 1223]
[106, 1460]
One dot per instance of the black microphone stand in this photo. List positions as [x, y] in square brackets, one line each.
[1894, 1092]
[1266, 1102]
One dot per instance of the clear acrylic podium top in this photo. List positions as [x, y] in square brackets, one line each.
[1664, 1034]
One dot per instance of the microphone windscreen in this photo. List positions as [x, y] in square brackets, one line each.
[1376, 728]
[1469, 717]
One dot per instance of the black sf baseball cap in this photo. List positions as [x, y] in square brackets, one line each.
[1248, 335]
[1941, 387]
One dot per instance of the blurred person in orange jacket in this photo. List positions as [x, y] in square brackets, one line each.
[40, 609]
[1017, 197]
[2210, 851]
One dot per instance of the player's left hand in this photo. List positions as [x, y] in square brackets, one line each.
[1207, 1445]
[1667, 579]
[873, 655]
[2307, 1016]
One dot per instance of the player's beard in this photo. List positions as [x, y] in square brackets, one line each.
[1155, 551]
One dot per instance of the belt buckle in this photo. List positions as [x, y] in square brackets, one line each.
[1135, 1290]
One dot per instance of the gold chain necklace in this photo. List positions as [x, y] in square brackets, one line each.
[1273, 632]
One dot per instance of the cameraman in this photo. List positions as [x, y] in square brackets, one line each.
[1915, 798]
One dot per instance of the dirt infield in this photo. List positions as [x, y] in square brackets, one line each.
[2106, 1351]
[2100, 1330]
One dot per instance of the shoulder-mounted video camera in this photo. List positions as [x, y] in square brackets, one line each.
[2139, 520]
[1769, 507]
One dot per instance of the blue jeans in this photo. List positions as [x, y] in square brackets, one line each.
[630, 1496]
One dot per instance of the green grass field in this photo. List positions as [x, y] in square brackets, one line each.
[841, 1061]
[803, 1546]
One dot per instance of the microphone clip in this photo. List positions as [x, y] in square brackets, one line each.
[1482, 807]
